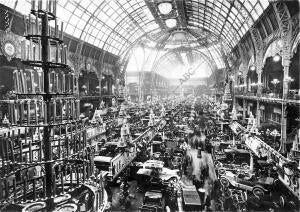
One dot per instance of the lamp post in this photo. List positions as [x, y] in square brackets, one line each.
[276, 57]
[165, 7]
[275, 82]
[252, 68]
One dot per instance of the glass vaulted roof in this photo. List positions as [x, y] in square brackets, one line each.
[117, 25]
[113, 25]
[228, 19]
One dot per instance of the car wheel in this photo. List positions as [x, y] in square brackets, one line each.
[282, 200]
[292, 205]
[244, 165]
[217, 164]
[224, 182]
[258, 192]
[227, 194]
[245, 196]
[173, 180]
[276, 182]
[221, 171]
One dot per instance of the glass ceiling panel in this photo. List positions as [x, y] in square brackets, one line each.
[115, 25]
[96, 21]
[235, 16]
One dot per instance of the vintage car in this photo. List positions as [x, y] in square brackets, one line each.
[221, 168]
[191, 199]
[153, 201]
[155, 170]
[258, 186]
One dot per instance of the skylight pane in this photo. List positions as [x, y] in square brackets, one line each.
[70, 29]
[77, 33]
[23, 7]
[265, 4]
[248, 5]
[258, 9]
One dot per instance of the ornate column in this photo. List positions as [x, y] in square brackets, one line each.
[99, 75]
[244, 109]
[258, 45]
[259, 83]
[285, 25]
[78, 63]
[109, 85]
[259, 88]
[245, 82]
[286, 65]
[258, 113]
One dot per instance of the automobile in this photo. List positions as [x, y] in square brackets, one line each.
[267, 202]
[178, 151]
[155, 170]
[191, 200]
[157, 155]
[221, 168]
[237, 156]
[152, 201]
[258, 186]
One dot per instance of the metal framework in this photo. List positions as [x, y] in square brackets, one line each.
[116, 25]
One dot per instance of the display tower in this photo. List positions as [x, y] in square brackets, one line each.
[47, 163]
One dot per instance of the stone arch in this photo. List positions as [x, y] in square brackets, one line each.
[243, 69]
[250, 76]
[272, 49]
[90, 79]
[251, 62]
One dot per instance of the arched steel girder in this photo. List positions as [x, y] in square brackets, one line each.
[210, 62]
[125, 51]
[226, 17]
[128, 51]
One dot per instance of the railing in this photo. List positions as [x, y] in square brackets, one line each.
[275, 97]
[272, 95]
[262, 149]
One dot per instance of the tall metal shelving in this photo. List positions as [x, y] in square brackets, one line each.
[46, 161]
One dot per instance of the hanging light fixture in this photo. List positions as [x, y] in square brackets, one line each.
[252, 68]
[171, 22]
[165, 8]
[276, 57]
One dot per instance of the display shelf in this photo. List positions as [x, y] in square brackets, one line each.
[45, 63]
[47, 155]
[40, 13]
[37, 38]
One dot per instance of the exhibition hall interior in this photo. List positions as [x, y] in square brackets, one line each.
[149, 105]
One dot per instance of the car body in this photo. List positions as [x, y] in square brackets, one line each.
[153, 201]
[156, 169]
[221, 168]
[258, 186]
